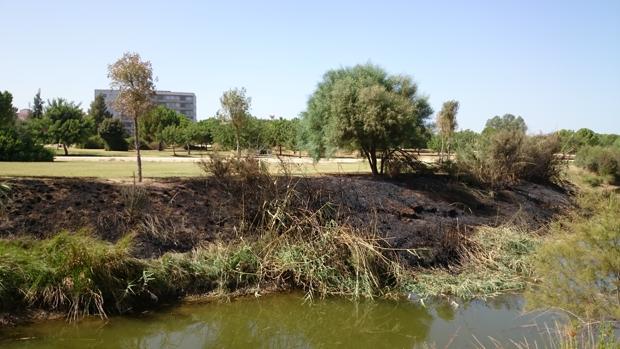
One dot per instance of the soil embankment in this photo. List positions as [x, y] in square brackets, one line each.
[180, 214]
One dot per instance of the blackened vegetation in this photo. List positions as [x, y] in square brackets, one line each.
[431, 214]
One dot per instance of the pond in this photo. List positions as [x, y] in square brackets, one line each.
[287, 321]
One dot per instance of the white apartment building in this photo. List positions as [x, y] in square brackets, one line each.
[182, 102]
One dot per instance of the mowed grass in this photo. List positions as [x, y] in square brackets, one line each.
[126, 169]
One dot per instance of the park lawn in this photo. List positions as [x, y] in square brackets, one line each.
[126, 169]
[146, 153]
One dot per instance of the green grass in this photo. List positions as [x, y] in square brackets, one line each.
[126, 169]
[146, 153]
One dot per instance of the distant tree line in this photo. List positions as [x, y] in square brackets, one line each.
[360, 108]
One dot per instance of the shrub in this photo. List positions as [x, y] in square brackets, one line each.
[604, 161]
[93, 142]
[505, 157]
[113, 134]
[541, 163]
[18, 145]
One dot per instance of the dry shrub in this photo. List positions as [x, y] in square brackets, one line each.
[247, 169]
[506, 157]
[135, 199]
[541, 163]
[403, 162]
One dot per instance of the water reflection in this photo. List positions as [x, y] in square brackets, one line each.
[285, 321]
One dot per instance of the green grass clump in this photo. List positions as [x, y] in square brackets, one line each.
[498, 262]
[72, 273]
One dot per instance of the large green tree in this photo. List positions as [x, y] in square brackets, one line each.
[235, 110]
[133, 78]
[66, 123]
[98, 110]
[365, 108]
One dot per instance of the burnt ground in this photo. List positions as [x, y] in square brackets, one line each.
[179, 214]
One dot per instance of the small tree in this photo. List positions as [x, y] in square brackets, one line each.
[235, 108]
[446, 124]
[156, 120]
[173, 136]
[98, 110]
[37, 105]
[67, 124]
[134, 80]
[113, 134]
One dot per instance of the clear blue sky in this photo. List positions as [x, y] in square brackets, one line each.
[556, 63]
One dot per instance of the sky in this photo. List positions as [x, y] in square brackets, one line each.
[555, 63]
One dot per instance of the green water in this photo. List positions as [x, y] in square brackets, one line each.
[286, 321]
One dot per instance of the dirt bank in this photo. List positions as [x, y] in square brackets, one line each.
[179, 214]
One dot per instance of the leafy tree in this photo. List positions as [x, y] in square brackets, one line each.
[7, 111]
[98, 110]
[174, 136]
[134, 80]
[446, 124]
[585, 137]
[507, 122]
[205, 128]
[67, 124]
[281, 132]
[365, 108]
[37, 105]
[113, 134]
[465, 139]
[156, 120]
[235, 108]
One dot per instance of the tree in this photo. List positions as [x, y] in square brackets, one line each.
[446, 124]
[7, 111]
[365, 108]
[98, 110]
[235, 108]
[65, 123]
[134, 80]
[507, 122]
[37, 105]
[282, 132]
[585, 137]
[113, 134]
[156, 120]
[173, 136]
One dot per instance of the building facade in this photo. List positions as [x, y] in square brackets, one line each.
[182, 102]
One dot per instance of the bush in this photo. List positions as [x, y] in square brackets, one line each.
[541, 163]
[604, 161]
[93, 142]
[506, 157]
[113, 134]
[18, 145]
